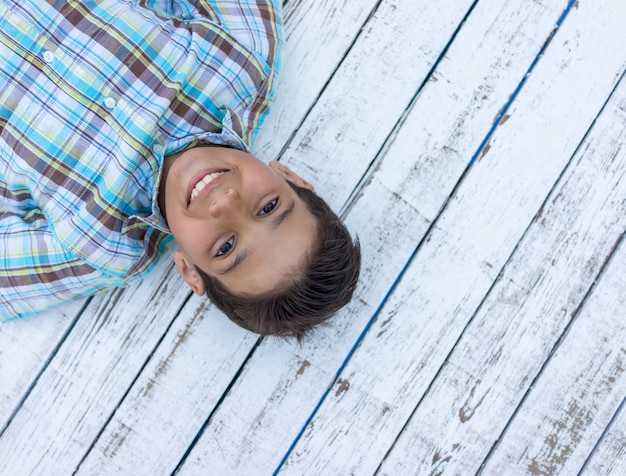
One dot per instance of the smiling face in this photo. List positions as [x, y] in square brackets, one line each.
[234, 217]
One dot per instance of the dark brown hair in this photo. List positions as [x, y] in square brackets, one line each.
[325, 284]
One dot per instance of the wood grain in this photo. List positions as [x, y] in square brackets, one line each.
[89, 375]
[370, 92]
[318, 35]
[25, 348]
[579, 391]
[609, 456]
[173, 395]
[241, 414]
[524, 315]
[382, 104]
[458, 264]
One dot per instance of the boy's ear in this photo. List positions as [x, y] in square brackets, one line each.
[290, 175]
[188, 272]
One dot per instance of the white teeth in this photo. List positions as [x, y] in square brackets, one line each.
[204, 182]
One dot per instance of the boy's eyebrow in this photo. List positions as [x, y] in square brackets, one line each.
[275, 223]
[280, 218]
[240, 257]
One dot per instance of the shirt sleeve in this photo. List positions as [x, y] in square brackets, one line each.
[36, 273]
[255, 23]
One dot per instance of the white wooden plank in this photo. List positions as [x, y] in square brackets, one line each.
[89, 375]
[280, 386]
[170, 401]
[25, 348]
[485, 378]
[459, 262]
[370, 92]
[317, 36]
[609, 458]
[579, 391]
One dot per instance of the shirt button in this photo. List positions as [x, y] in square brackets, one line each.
[48, 56]
[109, 103]
[157, 148]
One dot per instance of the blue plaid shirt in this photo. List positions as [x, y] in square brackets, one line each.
[93, 95]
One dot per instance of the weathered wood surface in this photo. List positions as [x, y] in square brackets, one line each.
[88, 376]
[527, 311]
[24, 352]
[460, 260]
[370, 91]
[577, 392]
[609, 456]
[317, 34]
[262, 422]
[502, 345]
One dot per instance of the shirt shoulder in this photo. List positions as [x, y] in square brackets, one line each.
[255, 24]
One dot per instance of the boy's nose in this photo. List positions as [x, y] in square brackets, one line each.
[224, 201]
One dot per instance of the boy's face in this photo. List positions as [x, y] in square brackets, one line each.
[234, 217]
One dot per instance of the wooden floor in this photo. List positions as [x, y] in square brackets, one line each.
[478, 149]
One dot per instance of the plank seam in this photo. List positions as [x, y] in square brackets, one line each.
[371, 168]
[305, 116]
[131, 385]
[372, 319]
[516, 91]
[592, 287]
[435, 221]
[554, 349]
[206, 423]
[43, 368]
[620, 408]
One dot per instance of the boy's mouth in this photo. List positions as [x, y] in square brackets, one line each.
[203, 182]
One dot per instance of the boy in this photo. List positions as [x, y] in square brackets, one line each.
[123, 124]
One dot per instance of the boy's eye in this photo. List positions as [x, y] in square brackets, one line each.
[226, 247]
[268, 207]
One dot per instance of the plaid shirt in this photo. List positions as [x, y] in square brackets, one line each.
[92, 96]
